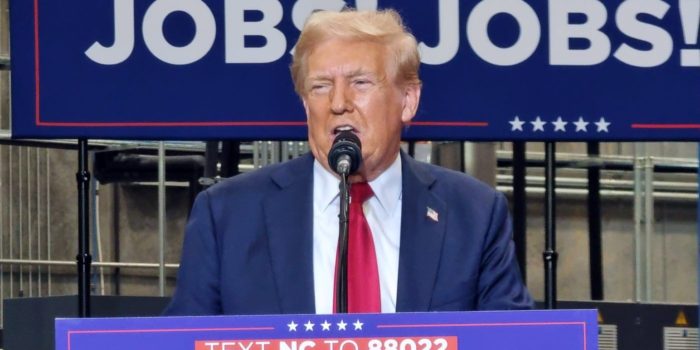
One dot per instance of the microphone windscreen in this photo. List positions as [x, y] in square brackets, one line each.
[348, 144]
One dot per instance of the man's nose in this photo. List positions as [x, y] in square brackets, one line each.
[341, 99]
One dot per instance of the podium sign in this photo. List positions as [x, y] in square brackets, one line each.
[495, 330]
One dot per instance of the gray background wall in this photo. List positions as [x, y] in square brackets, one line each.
[44, 183]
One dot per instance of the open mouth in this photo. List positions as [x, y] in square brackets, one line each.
[343, 128]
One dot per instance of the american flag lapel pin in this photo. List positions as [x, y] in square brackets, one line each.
[432, 214]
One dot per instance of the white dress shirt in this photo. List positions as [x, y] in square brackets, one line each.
[383, 213]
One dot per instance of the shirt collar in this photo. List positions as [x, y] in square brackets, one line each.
[325, 187]
[386, 187]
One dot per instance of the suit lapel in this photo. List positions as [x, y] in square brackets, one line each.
[288, 216]
[423, 223]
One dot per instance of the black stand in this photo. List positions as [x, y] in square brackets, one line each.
[550, 253]
[520, 206]
[595, 242]
[412, 149]
[341, 290]
[84, 259]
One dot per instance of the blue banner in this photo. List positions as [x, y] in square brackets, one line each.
[494, 330]
[492, 69]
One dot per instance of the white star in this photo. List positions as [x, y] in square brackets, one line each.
[602, 125]
[358, 325]
[292, 326]
[581, 125]
[516, 124]
[341, 325]
[326, 326]
[309, 326]
[559, 124]
[538, 124]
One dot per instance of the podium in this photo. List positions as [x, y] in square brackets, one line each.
[493, 330]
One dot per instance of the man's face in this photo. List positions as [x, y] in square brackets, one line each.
[350, 85]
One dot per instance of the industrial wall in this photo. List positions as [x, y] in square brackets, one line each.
[38, 221]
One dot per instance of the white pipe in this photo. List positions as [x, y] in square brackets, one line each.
[161, 218]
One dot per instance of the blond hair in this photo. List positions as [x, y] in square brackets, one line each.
[384, 27]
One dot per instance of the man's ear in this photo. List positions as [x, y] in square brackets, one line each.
[411, 100]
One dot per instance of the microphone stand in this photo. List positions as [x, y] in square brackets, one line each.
[341, 290]
[345, 157]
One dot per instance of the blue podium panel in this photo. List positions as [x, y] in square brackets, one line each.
[492, 69]
[494, 330]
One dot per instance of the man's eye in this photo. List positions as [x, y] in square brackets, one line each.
[319, 87]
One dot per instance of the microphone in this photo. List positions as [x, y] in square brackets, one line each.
[345, 155]
[344, 158]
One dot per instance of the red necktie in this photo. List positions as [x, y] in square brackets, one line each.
[363, 274]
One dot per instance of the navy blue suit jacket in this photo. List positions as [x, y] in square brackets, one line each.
[248, 245]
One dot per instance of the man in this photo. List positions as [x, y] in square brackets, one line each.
[265, 242]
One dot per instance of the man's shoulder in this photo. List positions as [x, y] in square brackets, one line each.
[267, 178]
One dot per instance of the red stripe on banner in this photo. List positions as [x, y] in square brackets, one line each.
[502, 324]
[171, 330]
[438, 123]
[665, 126]
[230, 123]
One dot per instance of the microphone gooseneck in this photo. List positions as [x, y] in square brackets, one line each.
[345, 155]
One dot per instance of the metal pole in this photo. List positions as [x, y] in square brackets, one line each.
[613, 194]
[211, 158]
[412, 149]
[161, 217]
[96, 235]
[649, 221]
[2, 235]
[595, 243]
[29, 219]
[265, 153]
[231, 157]
[274, 152]
[284, 146]
[697, 214]
[116, 275]
[296, 146]
[20, 240]
[256, 154]
[11, 233]
[48, 221]
[520, 206]
[640, 271]
[550, 254]
[38, 219]
[110, 264]
[83, 258]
